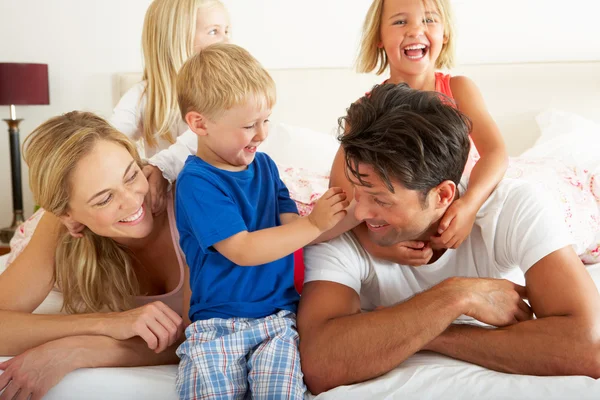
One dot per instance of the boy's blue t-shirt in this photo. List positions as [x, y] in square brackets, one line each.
[213, 205]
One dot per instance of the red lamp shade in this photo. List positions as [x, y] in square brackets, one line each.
[24, 84]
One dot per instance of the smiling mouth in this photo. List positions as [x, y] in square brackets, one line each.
[415, 51]
[251, 149]
[375, 227]
[135, 217]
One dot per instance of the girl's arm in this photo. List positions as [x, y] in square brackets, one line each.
[29, 279]
[127, 113]
[488, 140]
[171, 160]
[458, 220]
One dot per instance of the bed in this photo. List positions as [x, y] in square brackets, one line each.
[533, 105]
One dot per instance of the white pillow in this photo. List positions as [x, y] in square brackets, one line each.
[297, 147]
[567, 136]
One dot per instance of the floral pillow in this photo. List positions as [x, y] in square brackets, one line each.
[576, 189]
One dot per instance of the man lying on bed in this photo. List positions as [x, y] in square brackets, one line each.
[405, 152]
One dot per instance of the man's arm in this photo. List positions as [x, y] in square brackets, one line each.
[564, 340]
[340, 345]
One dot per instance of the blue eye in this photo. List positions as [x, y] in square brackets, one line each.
[429, 20]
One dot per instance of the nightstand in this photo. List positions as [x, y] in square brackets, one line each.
[4, 248]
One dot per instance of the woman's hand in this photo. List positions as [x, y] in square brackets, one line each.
[158, 188]
[36, 371]
[155, 323]
[456, 225]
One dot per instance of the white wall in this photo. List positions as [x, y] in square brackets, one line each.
[86, 42]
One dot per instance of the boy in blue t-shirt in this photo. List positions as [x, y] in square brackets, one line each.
[238, 229]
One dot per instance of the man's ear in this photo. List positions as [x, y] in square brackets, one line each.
[445, 193]
[196, 122]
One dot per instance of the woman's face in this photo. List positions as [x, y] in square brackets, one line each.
[108, 193]
[212, 26]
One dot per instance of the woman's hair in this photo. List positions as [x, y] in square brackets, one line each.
[371, 57]
[93, 272]
[167, 42]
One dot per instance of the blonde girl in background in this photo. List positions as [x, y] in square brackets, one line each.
[414, 39]
[173, 31]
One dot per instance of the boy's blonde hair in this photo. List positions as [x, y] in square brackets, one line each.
[93, 272]
[220, 77]
[167, 42]
[371, 57]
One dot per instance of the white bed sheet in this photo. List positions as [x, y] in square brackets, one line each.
[423, 376]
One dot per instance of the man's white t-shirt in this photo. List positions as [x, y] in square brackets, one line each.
[517, 226]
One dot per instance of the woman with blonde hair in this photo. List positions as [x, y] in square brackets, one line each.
[122, 281]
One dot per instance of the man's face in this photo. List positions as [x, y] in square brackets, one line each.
[395, 217]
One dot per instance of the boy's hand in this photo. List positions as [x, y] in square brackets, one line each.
[158, 188]
[455, 226]
[329, 209]
[413, 253]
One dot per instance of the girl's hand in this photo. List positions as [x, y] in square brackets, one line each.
[155, 323]
[413, 253]
[34, 372]
[455, 226]
[158, 188]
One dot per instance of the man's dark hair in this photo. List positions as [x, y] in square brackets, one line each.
[413, 137]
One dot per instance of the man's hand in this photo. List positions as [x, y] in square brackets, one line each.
[456, 225]
[497, 302]
[158, 188]
[329, 209]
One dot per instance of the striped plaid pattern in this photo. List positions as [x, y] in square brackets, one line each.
[241, 358]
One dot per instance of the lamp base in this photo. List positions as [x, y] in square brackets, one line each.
[7, 233]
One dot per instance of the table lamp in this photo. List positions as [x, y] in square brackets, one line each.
[20, 84]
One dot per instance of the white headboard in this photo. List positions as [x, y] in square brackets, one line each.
[514, 93]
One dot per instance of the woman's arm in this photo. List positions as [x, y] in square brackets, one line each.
[29, 279]
[39, 369]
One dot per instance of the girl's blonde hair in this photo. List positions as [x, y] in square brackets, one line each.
[93, 272]
[167, 42]
[371, 57]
